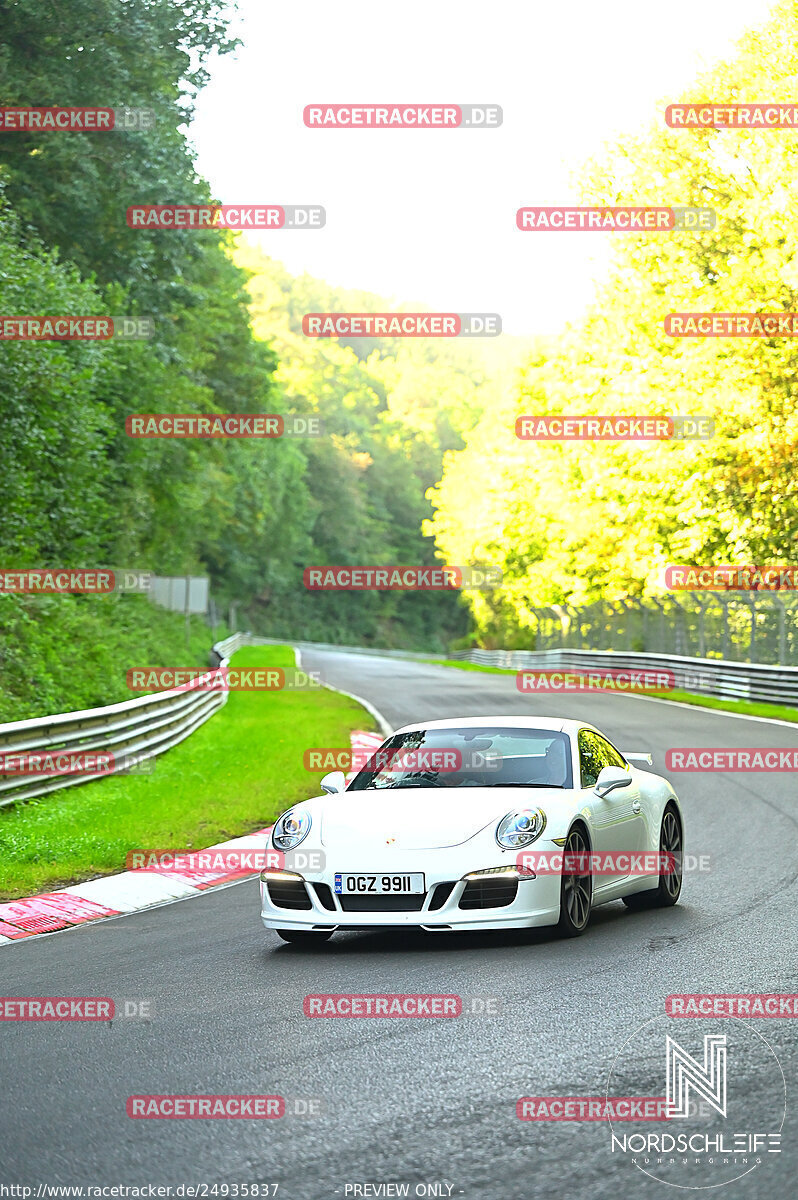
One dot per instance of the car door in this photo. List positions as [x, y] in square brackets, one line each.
[639, 825]
[617, 823]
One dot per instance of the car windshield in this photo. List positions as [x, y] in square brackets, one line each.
[469, 757]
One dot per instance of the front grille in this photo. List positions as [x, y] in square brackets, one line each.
[288, 893]
[324, 893]
[381, 903]
[440, 895]
[490, 892]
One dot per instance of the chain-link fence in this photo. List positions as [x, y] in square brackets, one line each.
[757, 627]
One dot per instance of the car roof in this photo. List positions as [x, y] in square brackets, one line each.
[513, 721]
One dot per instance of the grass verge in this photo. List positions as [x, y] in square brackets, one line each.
[65, 653]
[236, 773]
[748, 708]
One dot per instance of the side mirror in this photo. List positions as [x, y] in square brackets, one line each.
[334, 782]
[611, 778]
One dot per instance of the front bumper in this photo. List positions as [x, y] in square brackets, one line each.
[536, 902]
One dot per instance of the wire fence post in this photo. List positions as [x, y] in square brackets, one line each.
[782, 628]
[702, 603]
[751, 601]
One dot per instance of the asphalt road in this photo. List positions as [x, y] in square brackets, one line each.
[417, 1101]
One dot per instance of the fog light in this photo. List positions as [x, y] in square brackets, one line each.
[515, 872]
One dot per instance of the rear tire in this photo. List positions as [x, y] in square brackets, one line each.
[305, 937]
[670, 882]
[576, 891]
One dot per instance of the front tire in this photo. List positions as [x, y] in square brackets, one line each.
[576, 891]
[667, 892]
[305, 937]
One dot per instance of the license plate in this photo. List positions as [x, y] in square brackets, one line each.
[379, 885]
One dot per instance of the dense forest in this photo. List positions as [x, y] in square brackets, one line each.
[418, 461]
[581, 521]
[391, 409]
[75, 490]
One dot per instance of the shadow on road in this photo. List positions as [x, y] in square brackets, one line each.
[654, 929]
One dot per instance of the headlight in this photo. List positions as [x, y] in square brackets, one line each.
[291, 829]
[520, 827]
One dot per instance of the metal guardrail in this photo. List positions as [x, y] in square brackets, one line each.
[705, 676]
[411, 655]
[136, 729]
[722, 678]
[147, 726]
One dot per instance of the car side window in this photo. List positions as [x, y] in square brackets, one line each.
[591, 759]
[610, 756]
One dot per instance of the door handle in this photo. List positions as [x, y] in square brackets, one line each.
[636, 806]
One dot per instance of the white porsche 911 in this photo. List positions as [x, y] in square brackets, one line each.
[473, 824]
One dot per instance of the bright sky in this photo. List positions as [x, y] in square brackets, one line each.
[429, 215]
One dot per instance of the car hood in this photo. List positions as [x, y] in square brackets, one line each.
[419, 818]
